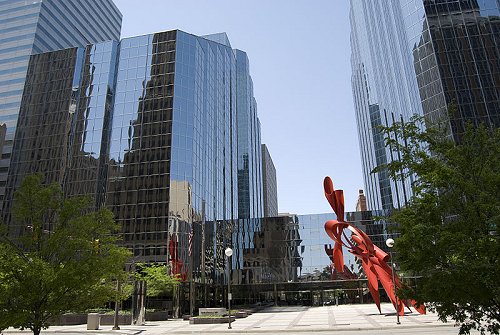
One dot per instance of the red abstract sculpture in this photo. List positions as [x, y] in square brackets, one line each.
[373, 259]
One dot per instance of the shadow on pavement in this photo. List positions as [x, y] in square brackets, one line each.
[284, 309]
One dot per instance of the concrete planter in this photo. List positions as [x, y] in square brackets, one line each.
[109, 319]
[126, 319]
[240, 315]
[106, 319]
[157, 316]
[69, 320]
[200, 321]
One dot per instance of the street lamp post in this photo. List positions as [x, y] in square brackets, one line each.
[229, 253]
[390, 244]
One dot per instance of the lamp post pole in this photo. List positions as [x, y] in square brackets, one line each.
[229, 253]
[390, 244]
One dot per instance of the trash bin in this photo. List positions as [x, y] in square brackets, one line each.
[93, 321]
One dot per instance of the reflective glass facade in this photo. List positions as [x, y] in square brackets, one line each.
[286, 263]
[250, 195]
[148, 127]
[385, 90]
[65, 112]
[36, 26]
[173, 143]
[418, 57]
[269, 184]
[465, 38]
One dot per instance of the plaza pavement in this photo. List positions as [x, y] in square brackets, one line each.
[294, 319]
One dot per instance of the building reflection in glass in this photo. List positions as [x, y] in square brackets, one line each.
[64, 113]
[456, 52]
[148, 127]
[285, 261]
[173, 168]
[419, 57]
[292, 248]
[288, 256]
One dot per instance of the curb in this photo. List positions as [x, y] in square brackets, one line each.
[301, 330]
[233, 331]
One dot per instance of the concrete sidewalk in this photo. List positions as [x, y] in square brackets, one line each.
[280, 319]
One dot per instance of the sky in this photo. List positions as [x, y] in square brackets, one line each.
[299, 54]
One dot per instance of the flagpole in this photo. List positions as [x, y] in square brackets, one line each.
[191, 284]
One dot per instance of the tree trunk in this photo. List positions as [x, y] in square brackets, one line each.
[36, 330]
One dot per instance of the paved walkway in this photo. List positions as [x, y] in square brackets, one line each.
[282, 319]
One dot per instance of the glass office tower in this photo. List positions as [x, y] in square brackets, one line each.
[172, 147]
[418, 57]
[148, 127]
[249, 152]
[385, 90]
[36, 26]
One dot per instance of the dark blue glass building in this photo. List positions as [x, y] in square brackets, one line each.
[419, 57]
[36, 26]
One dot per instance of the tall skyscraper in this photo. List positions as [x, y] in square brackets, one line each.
[418, 57]
[147, 127]
[35, 26]
[249, 151]
[269, 184]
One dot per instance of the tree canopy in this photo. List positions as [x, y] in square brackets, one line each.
[449, 229]
[64, 259]
[158, 282]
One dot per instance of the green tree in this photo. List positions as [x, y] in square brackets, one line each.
[449, 229]
[65, 259]
[158, 282]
